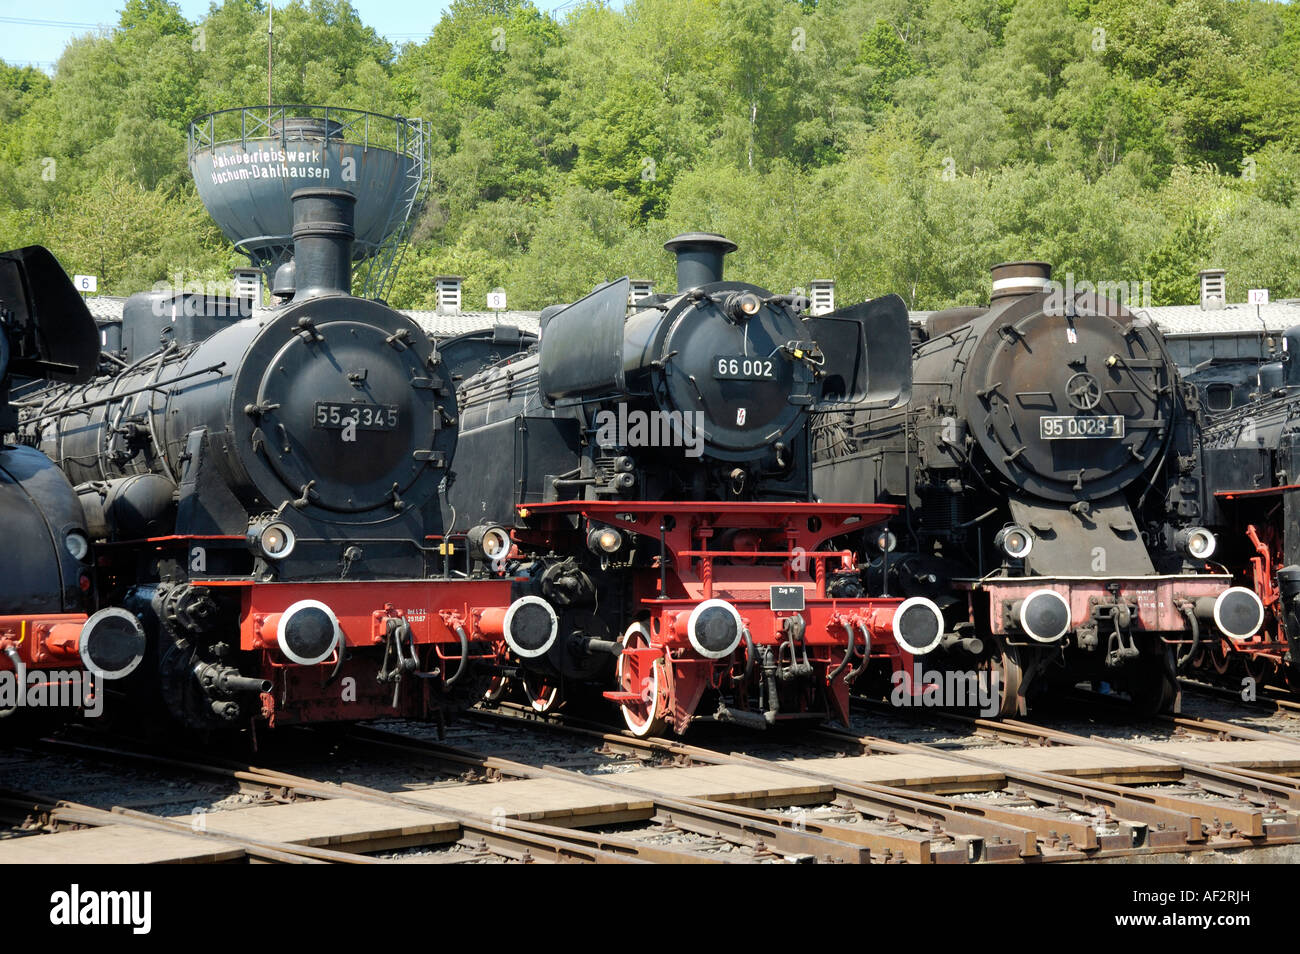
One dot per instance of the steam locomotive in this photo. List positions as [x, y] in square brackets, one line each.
[266, 493]
[48, 643]
[1252, 459]
[655, 467]
[1049, 463]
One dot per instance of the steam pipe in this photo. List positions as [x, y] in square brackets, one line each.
[852, 675]
[1195, 626]
[848, 652]
[749, 657]
[464, 657]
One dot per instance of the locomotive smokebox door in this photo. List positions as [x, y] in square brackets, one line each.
[720, 353]
[340, 403]
[868, 351]
[1069, 406]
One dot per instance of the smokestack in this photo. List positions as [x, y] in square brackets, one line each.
[699, 258]
[1012, 279]
[322, 241]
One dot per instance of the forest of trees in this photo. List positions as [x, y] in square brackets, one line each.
[894, 145]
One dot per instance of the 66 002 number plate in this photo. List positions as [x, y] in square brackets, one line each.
[366, 417]
[1055, 427]
[735, 367]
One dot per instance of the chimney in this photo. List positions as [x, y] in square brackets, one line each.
[248, 285]
[1214, 289]
[448, 289]
[640, 288]
[822, 296]
[1013, 279]
[322, 241]
[699, 258]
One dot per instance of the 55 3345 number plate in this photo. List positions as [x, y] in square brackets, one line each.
[736, 367]
[366, 417]
[1056, 427]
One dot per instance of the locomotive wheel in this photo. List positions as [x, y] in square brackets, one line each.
[1291, 677]
[1262, 670]
[1219, 657]
[496, 688]
[1007, 666]
[1152, 684]
[636, 675]
[542, 692]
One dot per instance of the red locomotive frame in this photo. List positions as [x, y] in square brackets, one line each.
[661, 677]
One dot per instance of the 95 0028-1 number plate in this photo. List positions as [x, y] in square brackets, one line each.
[366, 417]
[1055, 427]
[736, 367]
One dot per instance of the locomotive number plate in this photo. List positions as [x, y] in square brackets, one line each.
[737, 367]
[1066, 427]
[366, 417]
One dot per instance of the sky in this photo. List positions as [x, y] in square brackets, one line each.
[35, 34]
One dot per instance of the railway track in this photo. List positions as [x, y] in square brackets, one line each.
[1009, 791]
[509, 838]
[1047, 815]
[1265, 698]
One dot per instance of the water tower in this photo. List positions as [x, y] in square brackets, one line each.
[247, 162]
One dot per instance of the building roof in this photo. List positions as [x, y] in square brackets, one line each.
[105, 308]
[1179, 320]
[447, 325]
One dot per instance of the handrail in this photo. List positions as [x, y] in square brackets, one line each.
[342, 124]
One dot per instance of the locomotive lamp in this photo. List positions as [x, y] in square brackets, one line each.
[1197, 542]
[491, 540]
[886, 541]
[1015, 541]
[77, 544]
[741, 306]
[274, 540]
[604, 540]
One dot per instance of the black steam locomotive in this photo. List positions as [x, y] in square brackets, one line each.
[267, 494]
[655, 465]
[701, 395]
[1050, 465]
[47, 641]
[1252, 469]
